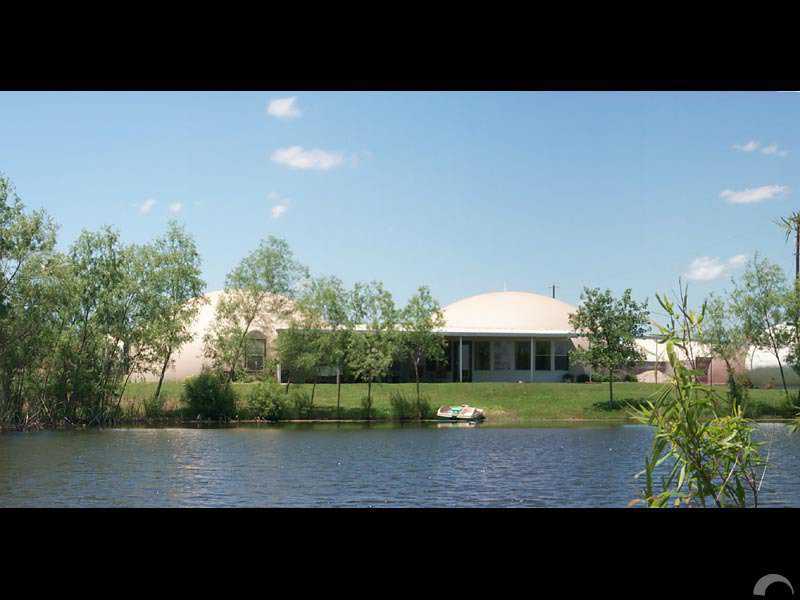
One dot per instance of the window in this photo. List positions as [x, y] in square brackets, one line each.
[522, 356]
[502, 355]
[561, 350]
[543, 355]
[256, 351]
[483, 356]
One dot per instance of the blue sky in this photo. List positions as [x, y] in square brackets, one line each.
[464, 192]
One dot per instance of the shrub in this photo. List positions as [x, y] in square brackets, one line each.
[153, 408]
[630, 378]
[568, 378]
[582, 378]
[267, 401]
[423, 408]
[401, 407]
[209, 397]
[303, 405]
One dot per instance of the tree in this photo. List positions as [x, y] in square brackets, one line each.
[791, 227]
[177, 293]
[724, 336]
[372, 349]
[258, 291]
[300, 347]
[759, 300]
[419, 339]
[26, 249]
[705, 446]
[611, 327]
[327, 298]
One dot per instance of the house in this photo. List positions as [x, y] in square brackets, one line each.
[491, 337]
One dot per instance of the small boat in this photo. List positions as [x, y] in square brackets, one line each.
[460, 413]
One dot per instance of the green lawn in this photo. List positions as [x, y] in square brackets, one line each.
[503, 402]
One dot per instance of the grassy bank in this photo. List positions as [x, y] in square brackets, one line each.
[503, 402]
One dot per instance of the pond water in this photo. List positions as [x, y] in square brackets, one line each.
[348, 465]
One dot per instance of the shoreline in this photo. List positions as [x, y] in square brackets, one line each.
[211, 424]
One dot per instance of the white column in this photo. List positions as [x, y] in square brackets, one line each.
[460, 359]
[532, 358]
[278, 374]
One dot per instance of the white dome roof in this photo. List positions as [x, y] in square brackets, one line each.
[508, 313]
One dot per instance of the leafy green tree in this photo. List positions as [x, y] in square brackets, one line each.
[419, 338]
[760, 300]
[300, 348]
[26, 245]
[373, 345]
[724, 336]
[611, 326]
[258, 292]
[177, 294]
[703, 449]
[327, 305]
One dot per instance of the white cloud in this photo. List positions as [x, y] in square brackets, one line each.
[175, 208]
[296, 157]
[752, 195]
[281, 206]
[708, 268]
[283, 108]
[278, 210]
[773, 149]
[748, 147]
[146, 206]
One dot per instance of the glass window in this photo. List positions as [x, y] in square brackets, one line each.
[256, 351]
[503, 353]
[543, 355]
[483, 356]
[522, 356]
[561, 349]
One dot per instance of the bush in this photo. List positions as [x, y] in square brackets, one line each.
[630, 378]
[582, 378]
[153, 409]
[422, 408]
[267, 401]
[401, 407]
[208, 396]
[568, 378]
[404, 408]
[303, 405]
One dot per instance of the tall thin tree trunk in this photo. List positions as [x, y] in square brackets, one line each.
[416, 375]
[797, 252]
[338, 391]
[163, 371]
[610, 386]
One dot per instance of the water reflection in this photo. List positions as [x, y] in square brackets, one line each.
[350, 464]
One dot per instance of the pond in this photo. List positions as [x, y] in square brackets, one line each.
[348, 465]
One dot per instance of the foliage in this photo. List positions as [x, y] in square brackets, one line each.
[371, 351]
[331, 303]
[303, 405]
[419, 338]
[610, 326]
[209, 396]
[267, 401]
[760, 300]
[258, 293]
[176, 292]
[703, 448]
